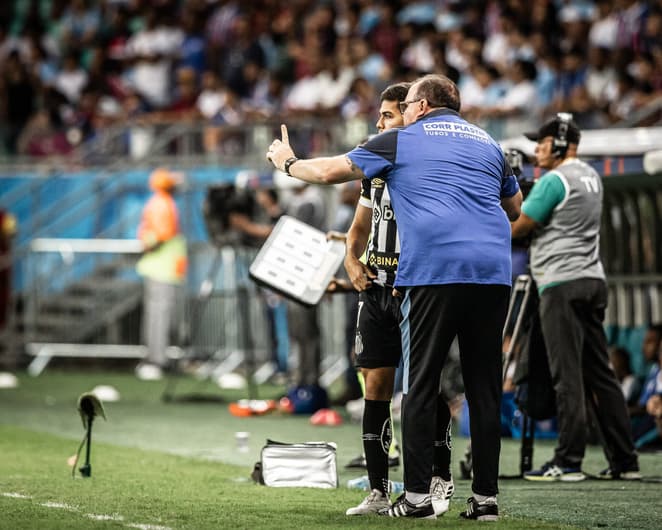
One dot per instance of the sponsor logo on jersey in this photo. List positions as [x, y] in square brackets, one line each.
[383, 261]
[383, 213]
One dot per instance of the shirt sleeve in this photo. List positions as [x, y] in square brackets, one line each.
[365, 198]
[377, 156]
[545, 195]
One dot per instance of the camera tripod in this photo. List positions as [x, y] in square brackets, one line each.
[232, 259]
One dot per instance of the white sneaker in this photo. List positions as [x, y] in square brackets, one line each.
[373, 503]
[441, 492]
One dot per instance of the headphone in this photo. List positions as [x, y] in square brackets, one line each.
[560, 141]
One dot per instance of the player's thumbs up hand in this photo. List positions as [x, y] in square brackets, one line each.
[279, 150]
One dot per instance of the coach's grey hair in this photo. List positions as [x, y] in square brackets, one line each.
[439, 91]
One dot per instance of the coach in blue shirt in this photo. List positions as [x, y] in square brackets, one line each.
[453, 194]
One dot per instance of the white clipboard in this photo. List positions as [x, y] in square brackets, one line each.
[297, 261]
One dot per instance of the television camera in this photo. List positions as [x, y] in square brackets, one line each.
[222, 200]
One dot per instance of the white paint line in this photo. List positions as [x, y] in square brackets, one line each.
[96, 517]
[103, 517]
[59, 506]
[15, 495]
[148, 526]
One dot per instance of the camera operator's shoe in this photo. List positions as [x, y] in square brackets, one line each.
[441, 492]
[403, 508]
[550, 472]
[360, 463]
[487, 510]
[624, 474]
[373, 503]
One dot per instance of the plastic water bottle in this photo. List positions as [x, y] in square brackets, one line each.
[360, 483]
[363, 483]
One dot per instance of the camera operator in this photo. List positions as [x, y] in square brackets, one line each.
[563, 212]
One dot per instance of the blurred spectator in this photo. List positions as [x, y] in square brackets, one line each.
[79, 26]
[575, 22]
[243, 49]
[648, 426]
[599, 75]
[185, 97]
[572, 75]
[481, 88]
[193, 46]
[16, 99]
[631, 15]
[519, 101]
[619, 358]
[43, 136]
[266, 99]
[642, 422]
[604, 30]
[71, 79]
[360, 100]
[418, 51]
[624, 96]
[152, 51]
[650, 38]
[653, 440]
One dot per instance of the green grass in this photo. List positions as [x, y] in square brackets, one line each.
[176, 465]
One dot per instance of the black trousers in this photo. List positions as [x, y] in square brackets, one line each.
[432, 317]
[571, 316]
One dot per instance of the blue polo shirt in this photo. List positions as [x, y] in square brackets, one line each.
[446, 178]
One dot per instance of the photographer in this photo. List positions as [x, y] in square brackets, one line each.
[563, 213]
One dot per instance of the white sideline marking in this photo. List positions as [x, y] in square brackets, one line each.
[16, 495]
[59, 505]
[149, 526]
[103, 517]
[97, 517]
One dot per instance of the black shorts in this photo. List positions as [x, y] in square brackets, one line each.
[378, 342]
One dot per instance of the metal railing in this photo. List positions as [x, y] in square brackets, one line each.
[93, 309]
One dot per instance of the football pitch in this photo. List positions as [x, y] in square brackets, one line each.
[176, 465]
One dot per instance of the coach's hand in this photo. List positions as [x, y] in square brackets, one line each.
[279, 150]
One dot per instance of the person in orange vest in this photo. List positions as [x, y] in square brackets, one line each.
[163, 268]
[7, 232]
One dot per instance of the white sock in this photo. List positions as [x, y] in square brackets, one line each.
[417, 498]
[484, 498]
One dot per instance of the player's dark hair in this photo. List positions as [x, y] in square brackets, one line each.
[439, 90]
[396, 92]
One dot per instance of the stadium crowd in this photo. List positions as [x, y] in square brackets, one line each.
[71, 67]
